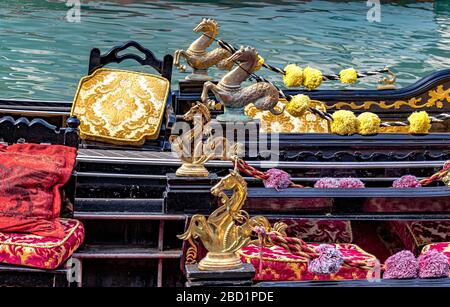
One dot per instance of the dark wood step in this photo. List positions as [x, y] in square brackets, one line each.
[128, 216]
[418, 282]
[154, 205]
[125, 252]
[24, 269]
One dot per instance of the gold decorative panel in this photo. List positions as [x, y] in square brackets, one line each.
[433, 98]
[120, 107]
[286, 123]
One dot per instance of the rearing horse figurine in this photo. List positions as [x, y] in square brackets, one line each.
[196, 55]
[233, 97]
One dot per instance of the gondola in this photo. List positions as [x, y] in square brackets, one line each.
[133, 206]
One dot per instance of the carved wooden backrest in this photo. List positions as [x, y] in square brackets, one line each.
[163, 67]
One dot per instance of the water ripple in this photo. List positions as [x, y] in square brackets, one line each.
[42, 56]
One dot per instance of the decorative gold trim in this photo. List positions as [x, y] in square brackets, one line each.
[436, 98]
[191, 253]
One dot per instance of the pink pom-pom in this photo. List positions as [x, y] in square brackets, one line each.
[351, 183]
[401, 265]
[278, 179]
[407, 181]
[433, 264]
[327, 183]
[329, 260]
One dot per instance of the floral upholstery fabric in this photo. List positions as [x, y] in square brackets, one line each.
[286, 123]
[41, 252]
[319, 231]
[280, 265]
[120, 107]
[416, 234]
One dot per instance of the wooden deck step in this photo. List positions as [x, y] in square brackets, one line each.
[22, 269]
[128, 216]
[125, 252]
[150, 205]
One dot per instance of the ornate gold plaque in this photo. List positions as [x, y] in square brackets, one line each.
[120, 107]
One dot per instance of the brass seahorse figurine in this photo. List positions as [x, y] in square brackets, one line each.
[191, 149]
[233, 97]
[228, 228]
[198, 58]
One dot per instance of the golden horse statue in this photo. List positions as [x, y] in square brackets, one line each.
[228, 228]
[191, 149]
[233, 97]
[196, 55]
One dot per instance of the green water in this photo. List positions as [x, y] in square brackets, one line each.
[42, 55]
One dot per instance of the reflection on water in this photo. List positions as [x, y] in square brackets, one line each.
[42, 56]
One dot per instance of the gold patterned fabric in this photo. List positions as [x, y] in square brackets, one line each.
[120, 107]
[286, 123]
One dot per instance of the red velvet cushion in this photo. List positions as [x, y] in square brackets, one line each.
[278, 264]
[41, 252]
[30, 178]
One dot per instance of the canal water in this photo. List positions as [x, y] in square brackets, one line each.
[43, 55]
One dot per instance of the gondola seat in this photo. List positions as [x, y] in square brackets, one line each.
[121, 107]
[278, 264]
[41, 252]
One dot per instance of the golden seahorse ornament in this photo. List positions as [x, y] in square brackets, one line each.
[228, 228]
[196, 55]
[193, 151]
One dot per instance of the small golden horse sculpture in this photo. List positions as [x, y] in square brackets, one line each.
[198, 58]
[233, 97]
[228, 228]
[190, 147]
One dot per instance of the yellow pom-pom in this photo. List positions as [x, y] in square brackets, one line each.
[260, 63]
[312, 78]
[298, 105]
[293, 76]
[368, 123]
[419, 123]
[344, 123]
[348, 76]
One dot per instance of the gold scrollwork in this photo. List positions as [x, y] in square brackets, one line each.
[436, 98]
